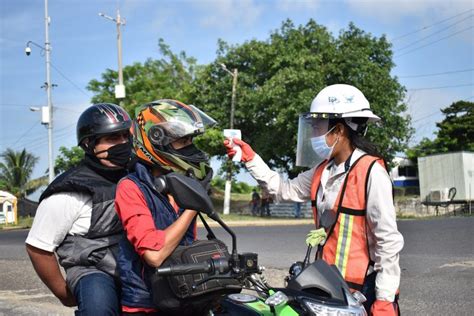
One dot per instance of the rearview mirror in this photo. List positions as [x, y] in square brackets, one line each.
[187, 192]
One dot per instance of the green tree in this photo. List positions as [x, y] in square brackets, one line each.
[237, 187]
[168, 77]
[455, 132]
[279, 77]
[68, 158]
[15, 172]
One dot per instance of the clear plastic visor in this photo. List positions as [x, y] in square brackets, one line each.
[309, 127]
[206, 120]
[181, 123]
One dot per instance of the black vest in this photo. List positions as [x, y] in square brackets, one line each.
[96, 250]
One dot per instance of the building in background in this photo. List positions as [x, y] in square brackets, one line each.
[404, 173]
[8, 208]
[447, 178]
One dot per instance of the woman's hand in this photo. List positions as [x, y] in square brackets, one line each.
[247, 152]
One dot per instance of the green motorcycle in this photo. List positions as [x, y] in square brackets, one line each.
[311, 288]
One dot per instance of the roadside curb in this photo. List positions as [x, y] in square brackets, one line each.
[256, 223]
[233, 223]
[14, 228]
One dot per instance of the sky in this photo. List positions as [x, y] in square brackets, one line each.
[432, 43]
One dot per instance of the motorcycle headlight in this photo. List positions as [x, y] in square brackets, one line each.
[276, 299]
[325, 310]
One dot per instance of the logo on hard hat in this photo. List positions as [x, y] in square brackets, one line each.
[349, 99]
[333, 100]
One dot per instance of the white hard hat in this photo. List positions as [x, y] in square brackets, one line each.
[341, 101]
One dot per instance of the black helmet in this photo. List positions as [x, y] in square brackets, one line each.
[101, 119]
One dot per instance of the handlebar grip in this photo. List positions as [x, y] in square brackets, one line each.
[190, 268]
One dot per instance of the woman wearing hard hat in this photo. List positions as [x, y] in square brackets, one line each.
[350, 191]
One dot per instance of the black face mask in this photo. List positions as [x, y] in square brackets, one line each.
[118, 154]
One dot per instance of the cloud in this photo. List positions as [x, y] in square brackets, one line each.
[226, 14]
[391, 11]
[20, 22]
[298, 5]
[132, 6]
[164, 18]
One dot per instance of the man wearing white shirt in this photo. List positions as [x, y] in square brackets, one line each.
[76, 220]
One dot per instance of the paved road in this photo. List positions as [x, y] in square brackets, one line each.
[437, 266]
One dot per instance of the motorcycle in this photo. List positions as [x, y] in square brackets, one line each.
[311, 288]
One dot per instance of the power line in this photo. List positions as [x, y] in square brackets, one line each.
[433, 34]
[427, 116]
[427, 27]
[24, 134]
[70, 81]
[18, 105]
[439, 111]
[62, 108]
[66, 109]
[58, 136]
[451, 35]
[443, 87]
[40, 141]
[437, 74]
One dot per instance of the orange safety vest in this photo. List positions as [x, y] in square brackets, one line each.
[347, 244]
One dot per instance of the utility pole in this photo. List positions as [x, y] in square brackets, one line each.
[47, 111]
[119, 21]
[228, 182]
[47, 47]
[234, 88]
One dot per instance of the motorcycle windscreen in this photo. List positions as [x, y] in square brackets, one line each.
[318, 278]
[305, 155]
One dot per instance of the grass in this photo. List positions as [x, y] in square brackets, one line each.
[23, 222]
[239, 203]
[402, 198]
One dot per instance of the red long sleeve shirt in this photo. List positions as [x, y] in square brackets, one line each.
[138, 224]
[136, 218]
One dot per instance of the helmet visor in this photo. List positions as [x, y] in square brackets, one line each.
[178, 122]
[309, 127]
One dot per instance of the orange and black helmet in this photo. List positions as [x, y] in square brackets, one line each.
[160, 123]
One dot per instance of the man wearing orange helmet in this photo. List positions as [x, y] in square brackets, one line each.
[163, 134]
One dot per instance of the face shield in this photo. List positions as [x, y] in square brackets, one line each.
[310, 125]
[179, 122]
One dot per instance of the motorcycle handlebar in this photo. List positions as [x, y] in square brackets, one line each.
[246, 264]
[190, 268]
[220, 265]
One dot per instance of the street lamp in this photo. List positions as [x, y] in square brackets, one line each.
[47, 117]
[228, 182]
[44, 113]
[120, 88]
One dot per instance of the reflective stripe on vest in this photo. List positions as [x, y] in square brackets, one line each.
[347, 245]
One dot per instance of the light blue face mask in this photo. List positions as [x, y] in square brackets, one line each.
[321, 147]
